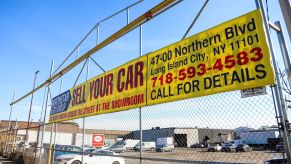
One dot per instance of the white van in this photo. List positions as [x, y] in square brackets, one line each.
[146, 146]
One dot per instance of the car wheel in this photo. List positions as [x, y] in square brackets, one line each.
[115, 162]
[76, 162]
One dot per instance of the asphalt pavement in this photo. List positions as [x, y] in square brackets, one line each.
[5, 161]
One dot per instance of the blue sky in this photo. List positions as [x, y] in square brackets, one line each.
[35, 32]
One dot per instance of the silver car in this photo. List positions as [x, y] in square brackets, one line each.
[164, 148]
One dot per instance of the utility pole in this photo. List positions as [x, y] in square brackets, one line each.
[30, 107]
[286, 11]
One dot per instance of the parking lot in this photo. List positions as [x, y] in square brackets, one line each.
[203, 155]
[5, 161]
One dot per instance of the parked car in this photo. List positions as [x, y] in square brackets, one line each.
[117, 148]
[229, 147]
[67, 150]
[244, 148]
[280, 147]
[106, 147]
[164, 148]
[88, 151]
[197, 145]
[214, 147]
[146, 146]
[96, 157]
[122, 146]
[103, 152]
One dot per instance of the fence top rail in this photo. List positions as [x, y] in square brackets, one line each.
[94, 27]
[132, 25]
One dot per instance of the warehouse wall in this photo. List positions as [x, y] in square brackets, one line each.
[227, 135]
[192, 135]
[61, 138]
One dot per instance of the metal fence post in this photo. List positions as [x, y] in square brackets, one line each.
[50, 160]
[127, 15]
[6, 134]
[83, 137]
[56, 125]
[45, 111]
[286, 11]
[97, 34]
[140, 120]
[30, 108]
[284, 51]
[15, 135]
[281, 106]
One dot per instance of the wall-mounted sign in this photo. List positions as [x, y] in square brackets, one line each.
[253, 92]
[97, 140]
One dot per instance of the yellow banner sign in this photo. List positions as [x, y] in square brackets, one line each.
[230, 56]
[119, 89]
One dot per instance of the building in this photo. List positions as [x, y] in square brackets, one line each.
[68, 133]
[183, 137]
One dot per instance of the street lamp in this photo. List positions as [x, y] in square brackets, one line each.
[29, 115]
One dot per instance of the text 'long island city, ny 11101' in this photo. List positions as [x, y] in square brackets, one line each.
[231, 56]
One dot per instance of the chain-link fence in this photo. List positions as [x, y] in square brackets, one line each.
[220, 128]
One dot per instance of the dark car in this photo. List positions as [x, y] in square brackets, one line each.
[67, 150]
[276, 161]
[244, 148]
[197, 145]
[280, 147]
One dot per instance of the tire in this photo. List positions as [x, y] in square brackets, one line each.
[76, 162]
[14, 157]
[115, 162]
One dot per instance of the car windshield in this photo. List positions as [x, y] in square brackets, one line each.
[88, 151]
[101, 152]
